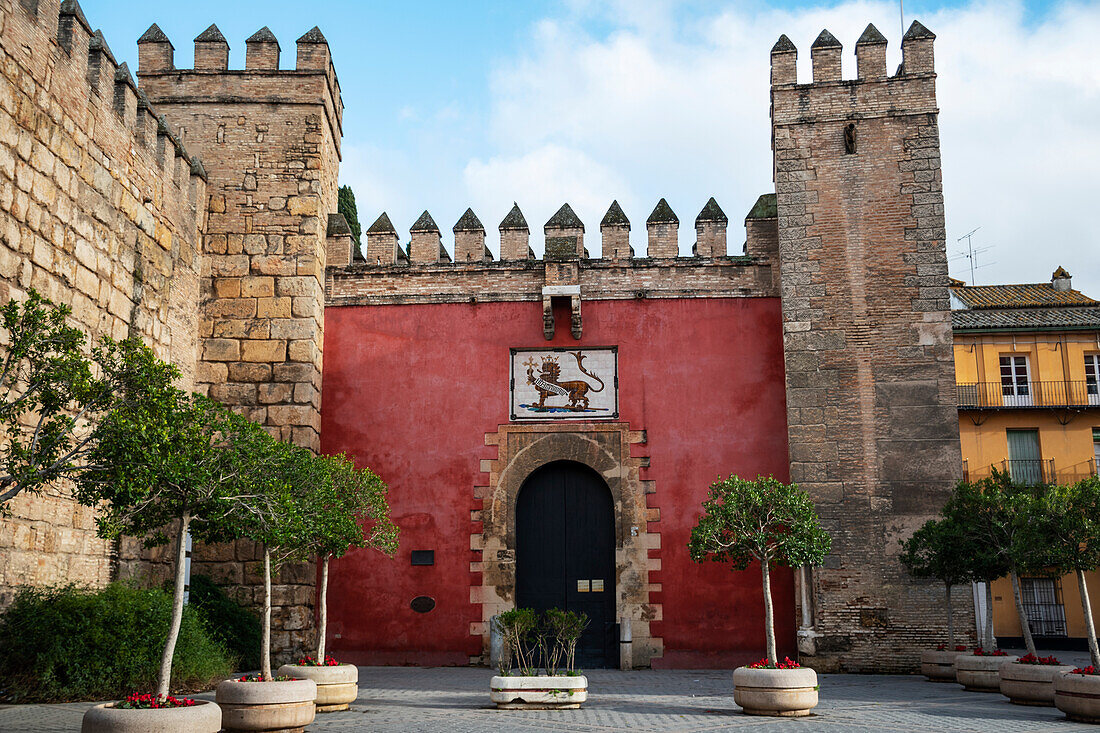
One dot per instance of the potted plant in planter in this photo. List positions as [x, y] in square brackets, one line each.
[766, 521]
[163, 460]
[533, 645]
[265, 702]
[1069, 523]
[940, 550]
[345, 508]
[1030, 679]
[979, 671]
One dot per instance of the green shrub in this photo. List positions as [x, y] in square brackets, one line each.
[69, 643]
[237, 628]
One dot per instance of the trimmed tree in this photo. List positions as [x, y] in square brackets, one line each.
[993, 512]
[1067, 523]
[345, 508]
[164, 459]
[50, 397]
[762, 520]
[940, 550]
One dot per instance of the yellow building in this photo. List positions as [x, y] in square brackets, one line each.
[1027, 365]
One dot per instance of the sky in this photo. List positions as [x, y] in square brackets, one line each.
[477, 103]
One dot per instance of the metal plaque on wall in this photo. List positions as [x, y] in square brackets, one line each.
[565, 384]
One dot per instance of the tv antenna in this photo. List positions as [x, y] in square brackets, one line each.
[972, 254]
[901, 10]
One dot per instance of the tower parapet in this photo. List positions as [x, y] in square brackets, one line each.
[867, 334]
[662, 227]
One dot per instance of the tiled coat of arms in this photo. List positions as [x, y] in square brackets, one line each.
[555, 384]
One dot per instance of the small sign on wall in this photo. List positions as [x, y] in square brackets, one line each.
[563, 384]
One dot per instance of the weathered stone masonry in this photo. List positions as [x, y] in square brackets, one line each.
[272, 137]
[867, 332]
[101, 208]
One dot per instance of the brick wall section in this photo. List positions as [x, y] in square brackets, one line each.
[682, 277]
[870, 374]
[273, 140]
[100, 210]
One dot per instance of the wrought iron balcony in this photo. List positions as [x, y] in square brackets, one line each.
[1005, 395]
[1032, 471]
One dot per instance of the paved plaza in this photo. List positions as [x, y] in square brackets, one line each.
[452, 700]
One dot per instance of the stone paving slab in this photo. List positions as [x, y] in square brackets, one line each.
[456, 699]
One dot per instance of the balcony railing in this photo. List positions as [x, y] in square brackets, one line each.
[1031, 471]
[1000, 395]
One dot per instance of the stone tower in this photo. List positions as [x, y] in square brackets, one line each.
[871, 409]
[272, 137]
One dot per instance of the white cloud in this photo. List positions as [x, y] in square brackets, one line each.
[673, 102]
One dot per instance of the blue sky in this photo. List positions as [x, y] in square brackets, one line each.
[451, 104]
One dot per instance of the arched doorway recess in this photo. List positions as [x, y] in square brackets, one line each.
[614, 453]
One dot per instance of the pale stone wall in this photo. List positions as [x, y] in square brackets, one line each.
[101, 210]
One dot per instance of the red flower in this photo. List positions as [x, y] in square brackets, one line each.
[145, 701]
[1032, 659]
[765, 663]
[1085, 670]
[960, 647]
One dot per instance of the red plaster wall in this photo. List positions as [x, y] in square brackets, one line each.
[411, 391]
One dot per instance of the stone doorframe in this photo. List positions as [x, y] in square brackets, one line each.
[605, 448]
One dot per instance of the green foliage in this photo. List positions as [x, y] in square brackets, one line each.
[161, 452]
[66, 643]
[345, 507]
[50, 397]
[517, 628]
[763, 519]
[939, 550]
[231, 624]
[345, 204]
[533, 642]
[993, 515]
[1066, 520]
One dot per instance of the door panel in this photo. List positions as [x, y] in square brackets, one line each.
[565, 533]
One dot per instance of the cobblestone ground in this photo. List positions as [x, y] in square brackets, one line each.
[451, 700]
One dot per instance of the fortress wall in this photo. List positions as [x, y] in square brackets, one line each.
[100, 208]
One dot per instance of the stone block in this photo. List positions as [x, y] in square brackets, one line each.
[263, 350]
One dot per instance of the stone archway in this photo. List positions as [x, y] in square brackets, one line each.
[605, 448]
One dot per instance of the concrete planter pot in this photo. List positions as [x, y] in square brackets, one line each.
[202, 717]
[980, 674]
[938, 666]
[788, 693]
[272, 706]
[1030, 684]
[337, 686]
[540, 692]
[1078, 696]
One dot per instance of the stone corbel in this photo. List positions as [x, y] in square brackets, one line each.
[549, 292]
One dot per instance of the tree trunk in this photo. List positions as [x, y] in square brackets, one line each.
[990, 641]
[322, 613]
[769, 621]
[265, 641]
[164, 677]
[1090, 627]
[1025, 625]
[950, 618]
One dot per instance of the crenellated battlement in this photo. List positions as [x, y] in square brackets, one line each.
[911, 90]
[563, 235]
[312, 80]
[85, 63]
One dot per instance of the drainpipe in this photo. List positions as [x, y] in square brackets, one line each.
[187, 570]
[626, 644]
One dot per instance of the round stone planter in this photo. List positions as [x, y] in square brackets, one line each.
[538, 693]
[980, 674]
[337, 686]
[938, 666]
[202, 717]
[780, 692]
[1030, 684]
[1078, 696]
[271, 706]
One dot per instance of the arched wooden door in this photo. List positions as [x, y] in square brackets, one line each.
[565, 553]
